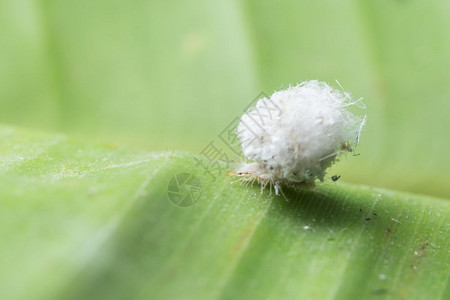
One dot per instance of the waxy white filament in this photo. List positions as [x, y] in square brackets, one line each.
[296, 134]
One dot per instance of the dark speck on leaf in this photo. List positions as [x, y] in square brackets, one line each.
[335, 177]
[380, 292]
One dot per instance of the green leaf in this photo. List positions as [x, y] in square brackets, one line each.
[95, 221]
[88, 219]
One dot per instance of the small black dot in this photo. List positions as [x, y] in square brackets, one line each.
[335, 177]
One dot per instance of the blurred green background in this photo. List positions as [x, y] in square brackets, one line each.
[165, 75]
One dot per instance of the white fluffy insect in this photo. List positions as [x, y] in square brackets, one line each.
[296, 134]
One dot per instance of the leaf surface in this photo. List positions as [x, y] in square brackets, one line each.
[95, 221]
